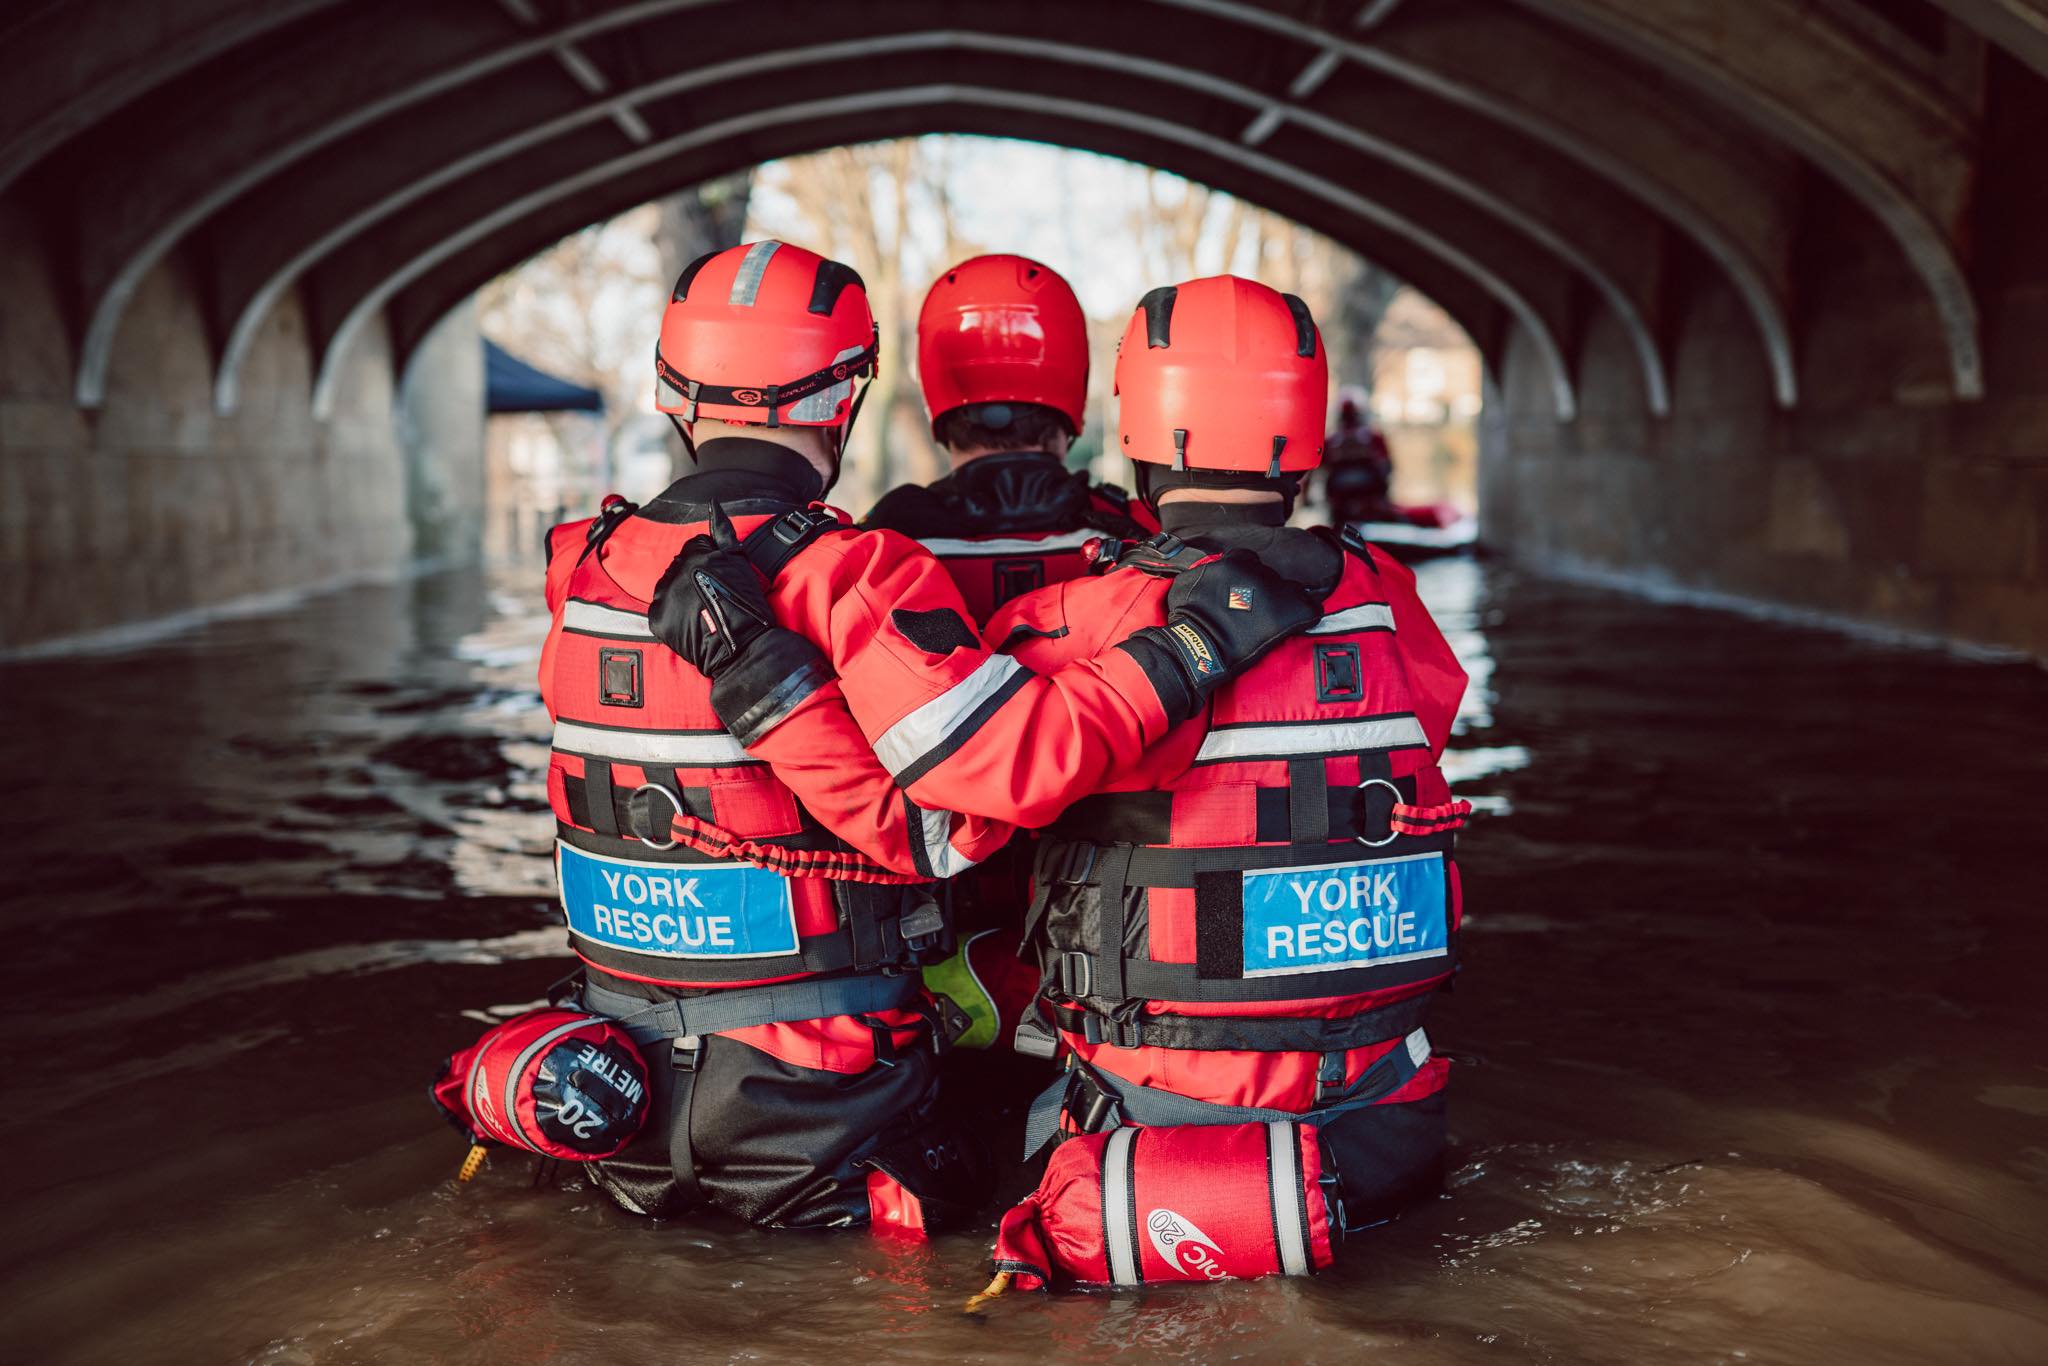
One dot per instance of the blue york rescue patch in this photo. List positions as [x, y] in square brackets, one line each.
[1344, 915]
[672, 910]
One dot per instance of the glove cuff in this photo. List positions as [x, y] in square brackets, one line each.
[1165, 671]
[771, 678]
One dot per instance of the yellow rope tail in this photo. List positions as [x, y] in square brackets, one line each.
[473, 1163]
[994, 1288]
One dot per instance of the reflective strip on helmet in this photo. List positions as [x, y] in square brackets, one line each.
[824, 404]
[594, 619]
[686, 749]
[1283, 1172]
[934, 730]
[1119, 1227]
[1369, 616]
[1320, 737]
[747, 284]
[944, 547]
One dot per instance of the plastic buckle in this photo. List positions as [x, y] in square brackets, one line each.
[1077, 973]
[686, 1053]
[1098, 1112]
[790, 526]
[1091, 1027]
[674, 800]
[1035, 1038]
[1329, 1076]
[1126, 1035]
[923, 928]
[1392, 833]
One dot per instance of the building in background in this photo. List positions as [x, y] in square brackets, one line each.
[543, 441]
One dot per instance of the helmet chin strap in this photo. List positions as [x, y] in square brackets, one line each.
[683, 431]
[860, 396]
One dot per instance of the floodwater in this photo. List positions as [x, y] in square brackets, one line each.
[1751, 1027]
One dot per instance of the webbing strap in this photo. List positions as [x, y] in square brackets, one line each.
[1109, 871]
[770, 546]
[599, 797]
[1251, 1034]
[686, 1057]
[1308, 801]
[769, 396]
[745, 1007]
[1127, 1102]
[1281, 812]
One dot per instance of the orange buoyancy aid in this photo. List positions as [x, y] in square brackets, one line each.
[640, 762]
[1252, 926]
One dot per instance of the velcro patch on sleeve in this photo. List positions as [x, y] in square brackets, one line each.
[938, 632]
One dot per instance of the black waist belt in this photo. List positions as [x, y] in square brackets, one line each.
[1147, 817]
[1257, 1034]
[745, 1007]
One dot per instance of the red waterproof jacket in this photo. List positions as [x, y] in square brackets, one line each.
[1247, 920]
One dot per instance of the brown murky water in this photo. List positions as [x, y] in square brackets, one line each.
[1752, 1022]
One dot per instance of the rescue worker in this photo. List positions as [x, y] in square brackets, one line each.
[1002, 359]
[746, 846]
[1358, 466]
[1247, 923]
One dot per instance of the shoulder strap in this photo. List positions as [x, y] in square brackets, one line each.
[1352, 539]
[614, 511]
[770, 546]
[1164, 556]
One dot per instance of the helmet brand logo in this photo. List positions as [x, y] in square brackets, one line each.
[746, 397]
[1184, 1247]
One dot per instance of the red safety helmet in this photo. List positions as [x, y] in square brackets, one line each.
[1003, 329]
[1223, 374]
[766, 334]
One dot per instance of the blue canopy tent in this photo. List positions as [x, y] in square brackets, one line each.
[513, 386]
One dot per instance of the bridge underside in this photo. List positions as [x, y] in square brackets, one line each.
[1762, 288]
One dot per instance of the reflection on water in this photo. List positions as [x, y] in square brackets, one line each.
[1748, 1034]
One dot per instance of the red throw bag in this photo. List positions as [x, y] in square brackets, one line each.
[1185, 1203]
[555, 1082]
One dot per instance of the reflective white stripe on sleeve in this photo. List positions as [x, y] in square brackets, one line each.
[706, 749]
[1316, 737]
[933, 724]
[946, 861]
[610, 621]
[1364, 617]
[1282, 1140]
[1117, 1230]
[1010, 545]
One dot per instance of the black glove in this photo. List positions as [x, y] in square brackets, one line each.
[711, 608]
[1220, 617]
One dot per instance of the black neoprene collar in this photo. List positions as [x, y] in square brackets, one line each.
[734, 468]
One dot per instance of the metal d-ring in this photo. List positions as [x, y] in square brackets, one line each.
[1392, 834]
[673, 800]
